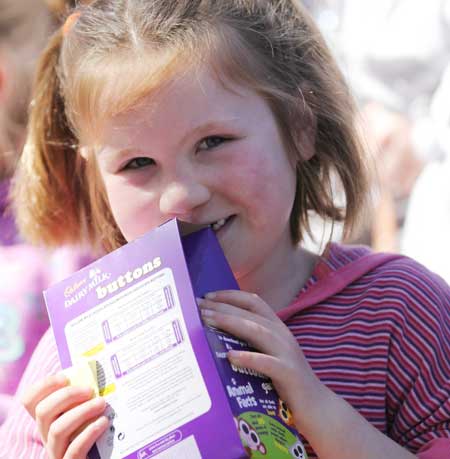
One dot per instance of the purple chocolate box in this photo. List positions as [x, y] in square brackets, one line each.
[170, 389]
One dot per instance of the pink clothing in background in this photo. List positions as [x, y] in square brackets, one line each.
[25, 271]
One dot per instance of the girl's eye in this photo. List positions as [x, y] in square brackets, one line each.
[138, 163]
[211, 142]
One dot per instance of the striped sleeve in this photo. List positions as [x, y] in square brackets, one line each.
[19, 437]
[418, 367]
[382, 343]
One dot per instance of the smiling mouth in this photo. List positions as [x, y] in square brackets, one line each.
[218, 224]
[188, 228]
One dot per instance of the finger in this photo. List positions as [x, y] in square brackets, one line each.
[229, 309]
[81, 445]
[41, 390]
[261, 334]
[244, 300]
[262, 363]
[69, 426]
[50, 408]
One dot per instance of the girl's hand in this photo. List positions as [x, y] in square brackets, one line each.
[248, 317]
[333, 428]
[68, 418]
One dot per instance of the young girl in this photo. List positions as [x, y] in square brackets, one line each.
[232, 113]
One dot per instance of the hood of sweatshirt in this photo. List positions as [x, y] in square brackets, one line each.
[338, 267]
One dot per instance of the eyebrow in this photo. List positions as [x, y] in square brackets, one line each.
[216, 125]
[110, 152]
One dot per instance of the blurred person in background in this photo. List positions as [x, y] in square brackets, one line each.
[396, 55]
[427, 224]
[25, 271]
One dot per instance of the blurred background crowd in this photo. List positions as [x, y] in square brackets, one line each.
[396, 56]
[25, 271]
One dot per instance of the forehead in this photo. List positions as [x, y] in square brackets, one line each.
[112, 85]
[194, 92]
[183, 89]
[189, 102]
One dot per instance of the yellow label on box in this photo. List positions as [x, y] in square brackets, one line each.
[83, 374]
[94, 350]
[110, 388]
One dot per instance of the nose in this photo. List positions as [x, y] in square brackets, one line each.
[180, 197]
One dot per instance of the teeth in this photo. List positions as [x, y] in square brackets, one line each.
[218, 224]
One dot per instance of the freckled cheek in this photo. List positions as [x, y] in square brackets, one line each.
[264, 187]
[134, 211]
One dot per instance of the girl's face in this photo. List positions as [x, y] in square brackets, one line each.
[205, 155]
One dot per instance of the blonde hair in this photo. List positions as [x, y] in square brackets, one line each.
[116, 52]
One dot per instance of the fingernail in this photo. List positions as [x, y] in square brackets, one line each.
[87, 390]
[98, 402]
[61, 378]
[210, 295]
[207, 312]
[102, 421]
[233, 355]
[200, 301]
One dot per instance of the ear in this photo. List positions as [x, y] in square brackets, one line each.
[307, 133]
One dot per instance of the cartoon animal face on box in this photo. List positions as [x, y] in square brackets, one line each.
[250, 437]
[298, 451]
[285, 413]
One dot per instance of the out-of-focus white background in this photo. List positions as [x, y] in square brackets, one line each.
[396, 57]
